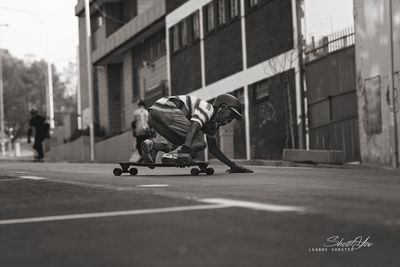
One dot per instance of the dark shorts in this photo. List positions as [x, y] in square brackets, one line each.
[172, 124]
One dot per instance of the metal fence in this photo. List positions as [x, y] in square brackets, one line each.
[331, 43]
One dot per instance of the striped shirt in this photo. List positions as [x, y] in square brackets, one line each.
[198, 110]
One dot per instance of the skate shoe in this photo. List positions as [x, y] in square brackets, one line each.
[170, 158]
[149, 151]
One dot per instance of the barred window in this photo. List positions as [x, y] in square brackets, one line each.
[184, 31]
[196, 25]
[253, 3]
[210, 16]
[221, 12]
[234, 8]
[261, 90]
[175, 37]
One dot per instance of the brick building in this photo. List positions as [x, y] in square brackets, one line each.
[150, 48]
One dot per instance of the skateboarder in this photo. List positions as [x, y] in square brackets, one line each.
[41, 130]
[183, 121]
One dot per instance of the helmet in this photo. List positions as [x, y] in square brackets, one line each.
[230, 101]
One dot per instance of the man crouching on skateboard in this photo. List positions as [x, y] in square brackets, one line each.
[183, 120]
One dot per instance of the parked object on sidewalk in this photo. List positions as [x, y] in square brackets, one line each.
[125, 167]
[183, 121]
[40, 128]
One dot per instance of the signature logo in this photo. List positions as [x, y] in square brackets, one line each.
[340, 244]
[355, 244]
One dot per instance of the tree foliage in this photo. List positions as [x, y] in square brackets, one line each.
[25, 88]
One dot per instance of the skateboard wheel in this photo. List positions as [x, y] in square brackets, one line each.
[117, 172]
[209, 171]
[133, 171]
[194, 172]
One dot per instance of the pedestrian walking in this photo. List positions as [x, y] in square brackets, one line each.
[41, 130]
[140, 127]
[183, 120]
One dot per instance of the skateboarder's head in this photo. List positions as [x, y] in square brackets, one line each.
[228, 108]
[34, 112]
[141, 103]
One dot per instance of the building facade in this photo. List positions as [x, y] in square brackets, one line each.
[378, 76]
[247, 48]
[145, 49]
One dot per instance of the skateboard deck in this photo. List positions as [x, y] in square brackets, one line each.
[131, 167]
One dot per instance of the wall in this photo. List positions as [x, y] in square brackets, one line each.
[271, 37]
[116, 148]
[186, 70]
[104, 118]
[373, 76]
[77, 150]
[128, 106]
[270, 117]
[115, 94]
[223, 52]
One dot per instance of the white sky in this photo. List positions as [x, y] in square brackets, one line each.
[26, 35]
[326, 16]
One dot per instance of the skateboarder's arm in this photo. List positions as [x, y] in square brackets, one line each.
[194, 129]
[213, 149]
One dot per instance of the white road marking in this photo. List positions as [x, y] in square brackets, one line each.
[112, 213]
[252, 205]
[153, 185]
[10, 179]
[32, 177]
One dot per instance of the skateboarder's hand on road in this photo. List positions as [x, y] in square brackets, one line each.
[184, 157]
[239, 169]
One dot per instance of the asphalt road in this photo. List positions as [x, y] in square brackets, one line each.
[81, 215]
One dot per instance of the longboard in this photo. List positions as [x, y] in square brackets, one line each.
[131, 167]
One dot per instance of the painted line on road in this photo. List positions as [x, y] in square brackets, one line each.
[153, 185]
[23, 177]
[252, 205]
[32, 177]
[112, 214]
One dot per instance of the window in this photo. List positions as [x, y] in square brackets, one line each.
[234, 8]
[221, 12]
[175, 37]
[253, 3]
[154, 46]
[261, 91]
[210, 16]
[184, 31]
[196, 25]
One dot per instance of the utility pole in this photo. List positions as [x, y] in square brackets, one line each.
[299, 9]
[393, 120]
[2, 133]
[2, 126]
[90, 79]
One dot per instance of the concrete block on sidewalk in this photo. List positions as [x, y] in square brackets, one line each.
[314, 156]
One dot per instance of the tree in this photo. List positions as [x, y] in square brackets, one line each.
[25, 88]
